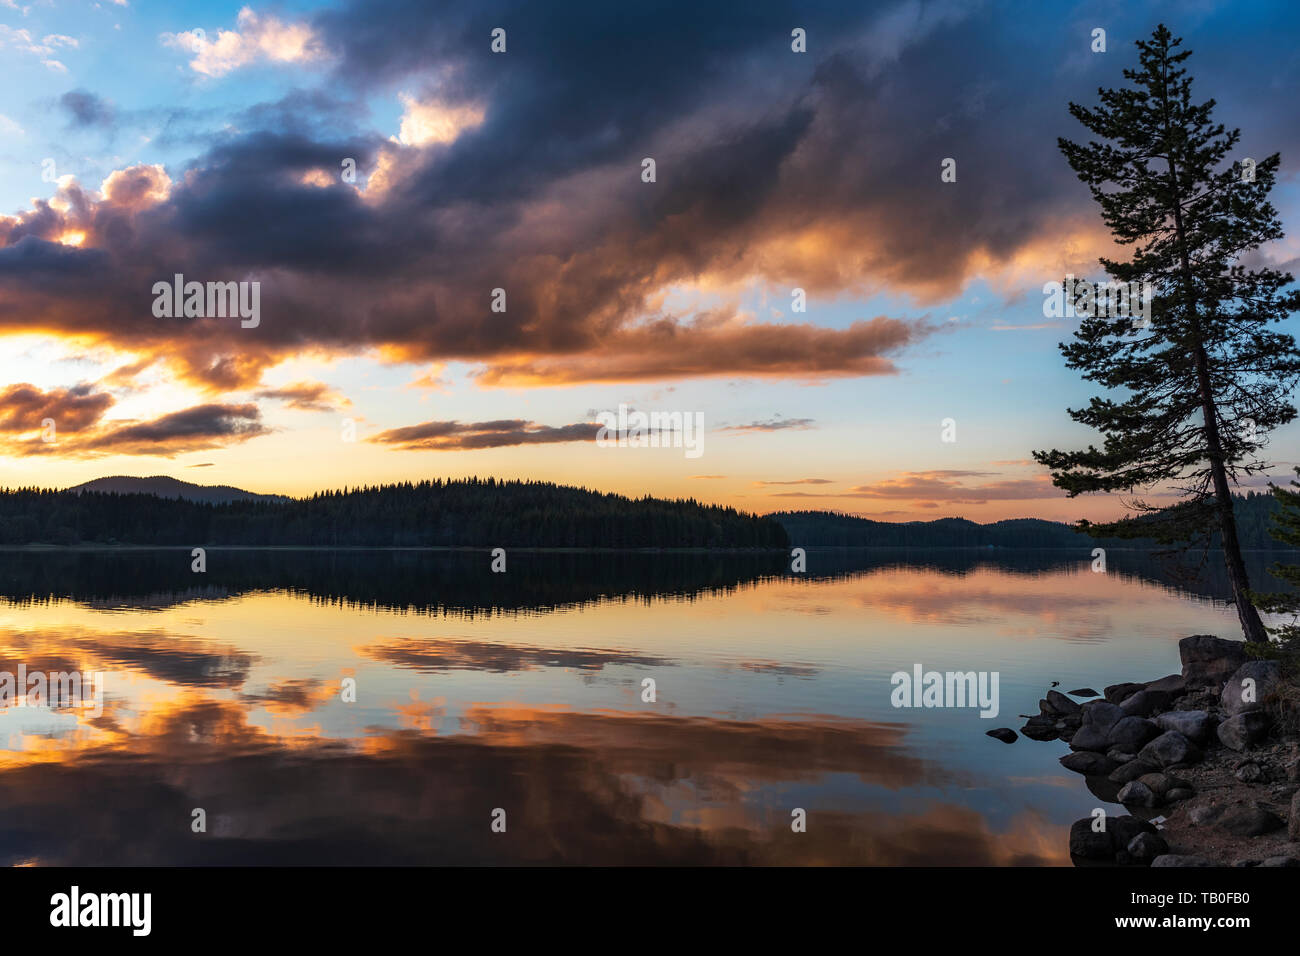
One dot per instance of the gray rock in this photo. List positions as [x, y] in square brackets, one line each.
[1004, 734]
[1083, 692]
[1162, 783]
[1136, 793]
[1249, 821]
[1168, 749]
[1087, 844]
[1116, 693]
[1208, 661]
[1147, 846]
[1195, 725]
[1146, 702]
[1178, 859]
[1040, 728]
[1090, 738]
[1120, 756]
[1060, 704]
[1124, 828]
[1281, 861]
[1088, 763]
[1177, 794]
[1100, 714]
[1131, 771]
[1293, 825]
[1233, 698]
[1206, 813]
[1131, 734]
[1245, 729]
[1174, 684]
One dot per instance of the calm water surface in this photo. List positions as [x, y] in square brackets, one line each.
[523, 691]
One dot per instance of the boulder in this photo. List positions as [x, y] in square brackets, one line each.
[1208, 661]
[1060, 704]
[1281, 861]
[1100, 714]
[1206, 813]
[1119, 756]
[1136, 793]
[1195, 725]
[1124, 828]
[1239, 696]
[1083, 692]
[1087, 844]
[1249, 821]
[1040, 728]
[1174, 684]
[1245, 729]
[1168, 749]
[1088, 763]
[1131, 734]
[1131, 771]
[1178, 794]
[1147, 846]
[1004, 734]
[1178, 859]
[1146, 702]
[1115, 693]
[1090, 738]
[1162, 783]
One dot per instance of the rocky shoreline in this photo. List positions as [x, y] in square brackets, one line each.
[1206, 775]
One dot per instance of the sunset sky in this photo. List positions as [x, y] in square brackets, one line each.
[140, 140]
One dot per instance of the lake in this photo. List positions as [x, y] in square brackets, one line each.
[414, 707]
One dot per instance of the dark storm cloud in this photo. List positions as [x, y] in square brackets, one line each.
[303, 111]
[817, 170]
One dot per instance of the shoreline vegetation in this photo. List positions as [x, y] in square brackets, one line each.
[465, 513]
[475, 513]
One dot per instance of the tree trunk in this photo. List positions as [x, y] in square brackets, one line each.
[1237, 576]
[1251, 625]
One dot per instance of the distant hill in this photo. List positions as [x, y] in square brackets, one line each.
[830, 529]
[165, 487]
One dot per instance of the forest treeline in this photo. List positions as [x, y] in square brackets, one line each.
[491, 513]
[470, 512]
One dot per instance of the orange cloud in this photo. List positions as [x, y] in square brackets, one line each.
[24, 408]
[307, 396]
[460, 436]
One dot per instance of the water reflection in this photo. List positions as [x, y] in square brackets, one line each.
[527, 692]
[455, 582]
